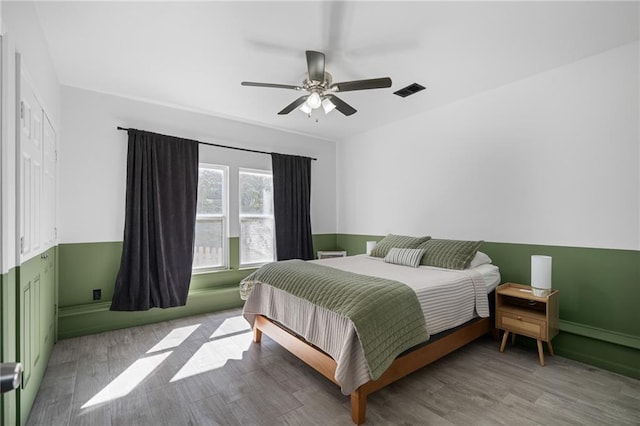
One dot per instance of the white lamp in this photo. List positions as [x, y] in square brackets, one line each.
[314, 100]
[370, 246]
[327, 105]
[305, 108]
[541, 275]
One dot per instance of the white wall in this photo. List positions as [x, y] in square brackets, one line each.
[93, 157]
[553, 159]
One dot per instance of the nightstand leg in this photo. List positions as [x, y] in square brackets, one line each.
[550, 348]
[513, 338]
[540, 352]
[504, 341]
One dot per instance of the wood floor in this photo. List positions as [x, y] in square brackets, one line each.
[204, 370]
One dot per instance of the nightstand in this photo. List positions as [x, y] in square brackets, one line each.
[324, 254]
[518, 311]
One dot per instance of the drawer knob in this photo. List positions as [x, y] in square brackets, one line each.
[519, 318]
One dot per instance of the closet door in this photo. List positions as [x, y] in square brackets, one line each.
[29, 170]
[35, 217]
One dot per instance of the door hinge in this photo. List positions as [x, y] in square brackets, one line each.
[55, 233]
[21, 245]
[21, 110]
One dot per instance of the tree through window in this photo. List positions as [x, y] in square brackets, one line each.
[211, 219]
[257, 227]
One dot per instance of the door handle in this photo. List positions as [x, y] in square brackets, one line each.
[10, 376]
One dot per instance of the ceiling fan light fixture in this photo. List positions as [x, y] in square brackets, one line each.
[327, 105]
[305, 108]
[314, 101]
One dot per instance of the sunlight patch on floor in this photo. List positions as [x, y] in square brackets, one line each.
[232, 325]
[128, 379]
[174, 339]
[231, 340]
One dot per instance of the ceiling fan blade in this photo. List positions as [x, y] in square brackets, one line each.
[372, 83]
[315, 65]
[274, 85]
[293, 105]
[341, 105]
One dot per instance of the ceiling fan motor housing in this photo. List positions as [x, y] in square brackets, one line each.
[310, 85]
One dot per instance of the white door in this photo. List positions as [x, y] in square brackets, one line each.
[29, 169]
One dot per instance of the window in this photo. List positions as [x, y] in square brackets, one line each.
[210, 251]
[257, 226]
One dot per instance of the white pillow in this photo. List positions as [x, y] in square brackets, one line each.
[479, 259]
[404, 256]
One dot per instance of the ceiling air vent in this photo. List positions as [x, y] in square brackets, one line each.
[409, 90]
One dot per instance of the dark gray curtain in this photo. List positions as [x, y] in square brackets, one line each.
[160, 217]
[292, 205]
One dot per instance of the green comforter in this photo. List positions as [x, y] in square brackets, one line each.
[386, 314]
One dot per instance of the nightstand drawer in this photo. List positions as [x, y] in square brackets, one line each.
[521, 324]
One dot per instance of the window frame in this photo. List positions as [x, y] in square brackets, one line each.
[222, 217]
[242, 216]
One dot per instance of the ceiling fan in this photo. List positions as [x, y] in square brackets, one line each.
[321, 89]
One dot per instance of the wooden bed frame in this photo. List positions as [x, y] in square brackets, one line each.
[405, 364]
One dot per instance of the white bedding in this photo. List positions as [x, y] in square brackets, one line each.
[443, 293]
[448, 299]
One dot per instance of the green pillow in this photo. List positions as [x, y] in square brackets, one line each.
[450, 254]
[400, 241]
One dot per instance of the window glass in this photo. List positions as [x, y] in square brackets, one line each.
[257, 228]
[256, 193]
[257, 240]
[210, 247]
[210, 190]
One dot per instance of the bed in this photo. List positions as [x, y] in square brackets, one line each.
[453, 304]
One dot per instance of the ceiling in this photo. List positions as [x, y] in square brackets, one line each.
[194, 55]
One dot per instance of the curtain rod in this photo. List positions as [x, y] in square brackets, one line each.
[218, 145]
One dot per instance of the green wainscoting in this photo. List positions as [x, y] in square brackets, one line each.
[599, 293]
[8, 342]
[354, 244]
[96, 317]
[598, 287]
[84, 267]
[324, 242]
